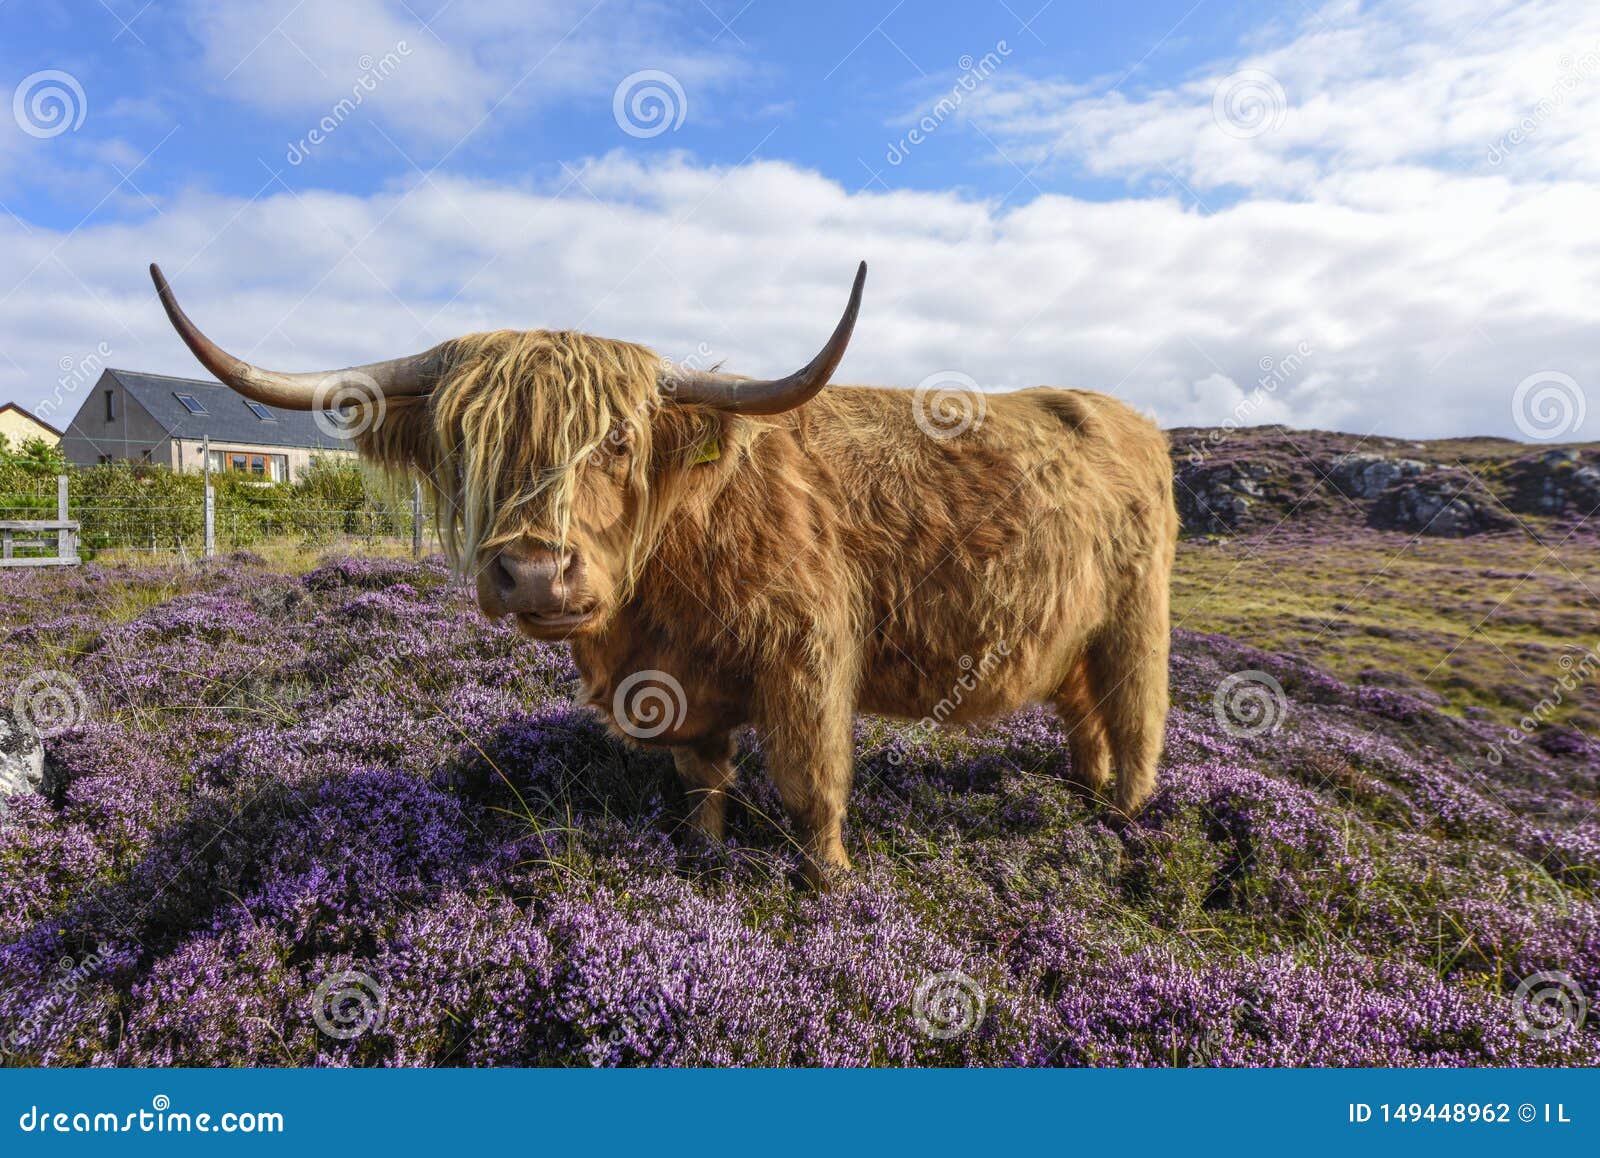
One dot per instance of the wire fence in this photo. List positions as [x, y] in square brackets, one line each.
[181, 530]
[175, 524]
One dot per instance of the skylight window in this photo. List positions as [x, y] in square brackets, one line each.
[260, 411]
[191, 403]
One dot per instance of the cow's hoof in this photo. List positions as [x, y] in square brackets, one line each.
[822, 878]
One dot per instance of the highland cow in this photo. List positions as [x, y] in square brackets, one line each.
[720, 551]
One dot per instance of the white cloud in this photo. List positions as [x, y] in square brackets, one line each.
[1367, 232]
[1418, 318]
[1489, 85]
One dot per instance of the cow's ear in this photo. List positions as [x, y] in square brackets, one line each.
[709, 450]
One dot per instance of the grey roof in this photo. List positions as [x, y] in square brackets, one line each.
[227, 418]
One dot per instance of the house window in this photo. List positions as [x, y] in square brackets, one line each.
[105, 460]
[146, 456]
[111, 405]
[190, 403]
[260, 411]
[262, 466]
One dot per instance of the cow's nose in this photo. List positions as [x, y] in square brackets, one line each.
[542, 581]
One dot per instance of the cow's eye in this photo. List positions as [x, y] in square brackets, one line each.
[620, 441]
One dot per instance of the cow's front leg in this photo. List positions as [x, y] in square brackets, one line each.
[807, 739]
[706, 770]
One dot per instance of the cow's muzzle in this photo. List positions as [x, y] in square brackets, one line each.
[542, 586]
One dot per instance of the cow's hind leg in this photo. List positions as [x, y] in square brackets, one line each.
[707, 772]
[1128, 672]
[1087, 743]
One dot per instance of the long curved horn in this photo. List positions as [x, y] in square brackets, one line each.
[398, 376]
[755, 396]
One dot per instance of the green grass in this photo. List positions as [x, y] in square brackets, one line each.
[1480, 622]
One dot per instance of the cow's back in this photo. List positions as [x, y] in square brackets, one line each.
[985, 556]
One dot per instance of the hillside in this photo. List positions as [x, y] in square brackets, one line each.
[1463, 571]
[1250, 480]
[335, 818]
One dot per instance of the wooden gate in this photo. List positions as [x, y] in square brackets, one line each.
[62, 534]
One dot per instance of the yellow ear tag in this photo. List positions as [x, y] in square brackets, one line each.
[708, 451]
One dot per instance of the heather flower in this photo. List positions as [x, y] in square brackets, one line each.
[350, 774]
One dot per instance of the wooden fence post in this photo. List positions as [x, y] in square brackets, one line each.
[416, 520]
[211, 503]
[67, 536]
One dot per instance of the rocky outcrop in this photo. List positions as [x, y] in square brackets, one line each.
[1557, 482]
[1214, 498]
[21, 759]
[1367, 476]
[1251, 480]
[1445, 504]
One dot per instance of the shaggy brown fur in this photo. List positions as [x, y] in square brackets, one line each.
[830, 560]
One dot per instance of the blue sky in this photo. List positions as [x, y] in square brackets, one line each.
[823, 85]
[1386, 210]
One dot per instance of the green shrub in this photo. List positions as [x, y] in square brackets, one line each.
[142, 506]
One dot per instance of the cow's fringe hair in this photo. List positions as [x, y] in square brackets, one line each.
[500, 442]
